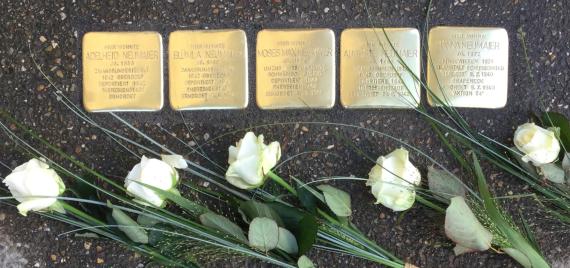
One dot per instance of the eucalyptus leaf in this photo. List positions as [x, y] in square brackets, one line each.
[518, 256]
[263, 233]
[302, 224]
[287, 241]
[552, 172]
[146, 221]
[223, 224]
[305, 262]
[462, 226]
[337, 200]
[253, 209]
[129, 227]
[566, 166]
[444, 185]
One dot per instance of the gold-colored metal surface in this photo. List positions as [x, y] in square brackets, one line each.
[468, 66]
[295, 69]
[122, 71]
[208, 69]
[371, 75]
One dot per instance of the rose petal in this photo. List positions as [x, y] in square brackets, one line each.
[35, 204]
[249, 170]
[175, 160]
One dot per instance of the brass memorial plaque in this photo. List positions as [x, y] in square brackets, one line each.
[122, 71]
[295, 68]
[468, 66]
[370, 73]
[208, 69]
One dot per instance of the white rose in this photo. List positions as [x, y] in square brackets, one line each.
[35, 185]
[153, 172]
[538, 144]
[393, 180]
[251, 160]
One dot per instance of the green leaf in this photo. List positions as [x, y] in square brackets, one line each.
[223, 224]
[307, 199]
[518, 256]
[129, 226]
[253, 209]
[263, 234]
[516, 239]
[444, 185]
[287, 242]
[552, 119]
[310, 189]
[552, 172]
[305, 262]
[306, 233]
[290, 216]
[462, 226]
[337, 200]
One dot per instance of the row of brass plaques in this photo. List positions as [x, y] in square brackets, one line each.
[295, 69]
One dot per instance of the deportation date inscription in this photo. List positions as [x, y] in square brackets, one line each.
[370, 73]
[468, 66]
[295, 69]
[122, 71]
[208, 69]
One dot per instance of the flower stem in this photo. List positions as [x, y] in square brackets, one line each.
[429, 204]
[281, 182]
[80, 214]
